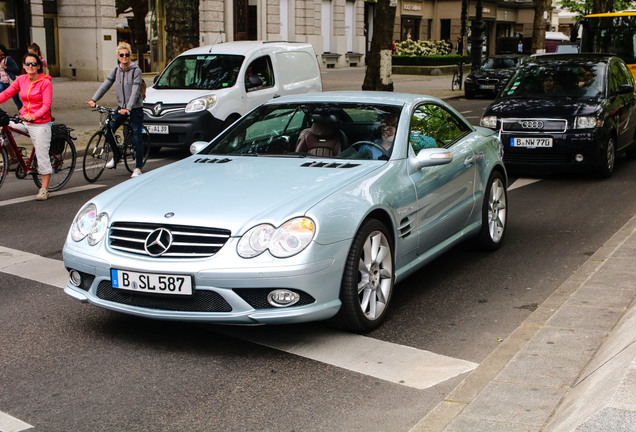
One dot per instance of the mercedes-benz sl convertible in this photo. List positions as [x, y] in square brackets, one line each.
[308, 208]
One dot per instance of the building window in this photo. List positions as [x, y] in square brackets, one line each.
[8, 29]
[410, 28]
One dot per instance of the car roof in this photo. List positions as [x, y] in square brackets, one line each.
[244, 47]
[382, 98]
[575, 57]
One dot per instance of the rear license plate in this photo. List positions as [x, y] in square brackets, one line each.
[154, 283]
[158, 129]
[530, 142]
[487, 87]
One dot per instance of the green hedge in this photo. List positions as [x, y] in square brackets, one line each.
[436, 60]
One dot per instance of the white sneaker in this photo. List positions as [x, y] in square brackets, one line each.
[42, 195]
[111, 163]
[136, 173]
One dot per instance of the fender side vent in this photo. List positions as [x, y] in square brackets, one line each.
[213, 160]
[406, 227]
[329, 165]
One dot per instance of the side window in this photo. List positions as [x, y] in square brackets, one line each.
[433, 126]
[259, 74]
[615, 77]
[629, 78]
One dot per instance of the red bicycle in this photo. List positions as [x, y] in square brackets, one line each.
[61, 152]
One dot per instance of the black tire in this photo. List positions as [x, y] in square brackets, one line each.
[455, 85]
[4, 165]
[367, 283]
[129, 154]
[63, 164]
[607, 159]
[95, 157]
[494, 213]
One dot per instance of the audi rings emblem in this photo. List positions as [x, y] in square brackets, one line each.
[158, 242]
[532, 124]
[156, 110]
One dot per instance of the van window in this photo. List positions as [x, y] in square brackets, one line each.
[201, 72]
[259, 74]
[296, 66]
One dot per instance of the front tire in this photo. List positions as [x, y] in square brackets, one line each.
[494, 213]
[95, 157]
[607, 159]
[368, 279]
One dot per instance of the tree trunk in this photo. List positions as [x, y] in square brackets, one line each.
[538, 27]
[382, 39]
[182, 26]
[602, 6]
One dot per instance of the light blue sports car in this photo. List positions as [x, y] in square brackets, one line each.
[308, 208]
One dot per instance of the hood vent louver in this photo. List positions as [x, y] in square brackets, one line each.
[212, 160]
[329, 165]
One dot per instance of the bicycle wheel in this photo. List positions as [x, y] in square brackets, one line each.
[455, 82]
[4, 165]
[63, 164]
[95, 157]
[129, 153]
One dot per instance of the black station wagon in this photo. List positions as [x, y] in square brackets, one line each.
[566, 111]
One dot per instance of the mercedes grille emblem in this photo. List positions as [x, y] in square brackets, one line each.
[158, 242]
[156, 110]
[532, 124]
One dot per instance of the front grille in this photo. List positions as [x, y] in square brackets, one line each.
[534, 125]
[200, 301]
[488, 81]
[187, 241]
[257, 297]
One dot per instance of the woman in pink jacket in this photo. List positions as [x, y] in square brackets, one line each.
[36, 93]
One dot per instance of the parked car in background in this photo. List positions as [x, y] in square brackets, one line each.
[311, 207]
[492, 76]
[205, 89]
[566, 111]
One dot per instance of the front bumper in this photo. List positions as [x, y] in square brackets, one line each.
[222, 294]
[183, 128]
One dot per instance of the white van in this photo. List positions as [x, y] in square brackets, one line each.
[206, 89]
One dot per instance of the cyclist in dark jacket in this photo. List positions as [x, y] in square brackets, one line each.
[127, 79]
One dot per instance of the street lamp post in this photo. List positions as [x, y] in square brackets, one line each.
[477, 31]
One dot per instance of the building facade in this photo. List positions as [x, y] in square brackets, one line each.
[79, 37]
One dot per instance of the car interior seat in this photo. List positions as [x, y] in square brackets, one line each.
[323, 138]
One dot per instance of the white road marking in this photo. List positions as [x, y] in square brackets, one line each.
[521, 182]
[12, 424]
[27, 265]
[387, 361]
[53, 195]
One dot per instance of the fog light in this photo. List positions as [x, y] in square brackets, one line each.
[76, 278]
[282, 298]
[578, 158]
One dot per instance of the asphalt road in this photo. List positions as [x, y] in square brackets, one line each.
[66, 366]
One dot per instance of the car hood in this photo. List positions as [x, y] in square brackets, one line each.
[178, 96]
[542, 107]
[230, 192]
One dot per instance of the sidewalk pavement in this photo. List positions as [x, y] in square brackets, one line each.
[570, 366]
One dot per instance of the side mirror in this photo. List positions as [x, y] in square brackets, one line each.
[429, 157]
[197, 146]
[253, 81]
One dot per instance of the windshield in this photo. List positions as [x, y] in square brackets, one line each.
[558, 79]
[201, 72]
[499, 63]
[349, 131]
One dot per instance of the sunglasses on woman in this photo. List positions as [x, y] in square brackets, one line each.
[30, 64]
[124, 55]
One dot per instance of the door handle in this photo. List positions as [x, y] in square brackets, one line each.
[469, 160]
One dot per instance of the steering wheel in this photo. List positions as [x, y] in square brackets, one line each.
[357, 145]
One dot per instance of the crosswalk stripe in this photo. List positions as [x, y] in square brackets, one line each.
[521, 182]
[387, 361]
[61, 192]
[12, 424]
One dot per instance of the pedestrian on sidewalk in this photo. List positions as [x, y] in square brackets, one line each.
[8, 71]
[36, 92]
[127, 78]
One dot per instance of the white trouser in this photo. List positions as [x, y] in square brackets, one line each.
[41, 137]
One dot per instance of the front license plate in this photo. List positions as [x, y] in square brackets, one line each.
[487, 87]
[531, 142]
[153, 283]
[158, 129]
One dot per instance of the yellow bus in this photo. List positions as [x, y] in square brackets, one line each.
[613, 32]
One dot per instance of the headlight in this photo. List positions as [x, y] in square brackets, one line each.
[282, 242]
[89, 224]
[587, 122]
[469, 79]
[200, 104]
[489, 122]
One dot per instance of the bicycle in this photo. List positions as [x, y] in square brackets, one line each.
[62, 154]
[456, 83]
[98, 150]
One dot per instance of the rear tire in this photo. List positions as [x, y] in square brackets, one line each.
[368, 279]
[607, 159]
[63, 164]
[455, 85]
[95, 157]
[130, 154]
